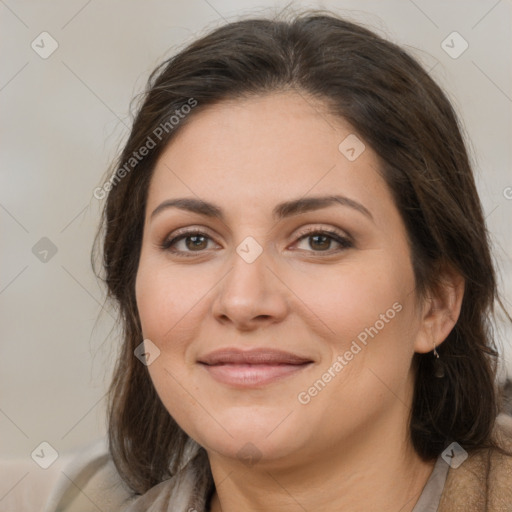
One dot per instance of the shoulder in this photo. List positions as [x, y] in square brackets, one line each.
[89, 480]
[484, 480]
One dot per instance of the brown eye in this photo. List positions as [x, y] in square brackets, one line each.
[193, 241]
[321, 241]
[196, 242]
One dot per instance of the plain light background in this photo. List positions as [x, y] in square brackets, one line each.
[62, 121]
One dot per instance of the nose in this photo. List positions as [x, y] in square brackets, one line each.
[251, 295]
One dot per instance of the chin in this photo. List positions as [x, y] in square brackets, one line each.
[254, 434]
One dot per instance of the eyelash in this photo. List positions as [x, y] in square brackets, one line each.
[345, 242]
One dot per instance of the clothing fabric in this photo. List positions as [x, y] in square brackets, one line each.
[431, 495]
[482, 483]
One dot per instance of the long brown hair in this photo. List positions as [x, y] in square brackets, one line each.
[397, 109]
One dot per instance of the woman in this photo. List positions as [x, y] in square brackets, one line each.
[294, 239]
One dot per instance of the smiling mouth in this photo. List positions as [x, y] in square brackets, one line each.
[252, 368]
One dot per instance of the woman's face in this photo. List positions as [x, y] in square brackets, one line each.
[329, 283]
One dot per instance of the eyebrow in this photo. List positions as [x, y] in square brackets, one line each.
[280, 211]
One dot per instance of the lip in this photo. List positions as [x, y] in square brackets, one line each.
[263, 356]
[252, 368]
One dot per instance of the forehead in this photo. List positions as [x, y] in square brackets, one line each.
[263, 150]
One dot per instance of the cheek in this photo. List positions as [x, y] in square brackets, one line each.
[167, 300]
[369, 311]
[167, 303]
[352, 297]
[372, 317]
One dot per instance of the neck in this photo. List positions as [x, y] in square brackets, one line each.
[377, 469]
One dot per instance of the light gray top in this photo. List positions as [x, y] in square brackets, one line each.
[431, 495]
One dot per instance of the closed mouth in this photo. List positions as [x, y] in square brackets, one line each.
[253, 368]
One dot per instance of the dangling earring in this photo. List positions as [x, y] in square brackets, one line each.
[438, 365]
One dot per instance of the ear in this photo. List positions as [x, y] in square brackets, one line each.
[440, 310]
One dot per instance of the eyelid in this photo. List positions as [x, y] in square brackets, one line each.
[183, 233]
[190, 229]
[327, 230]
